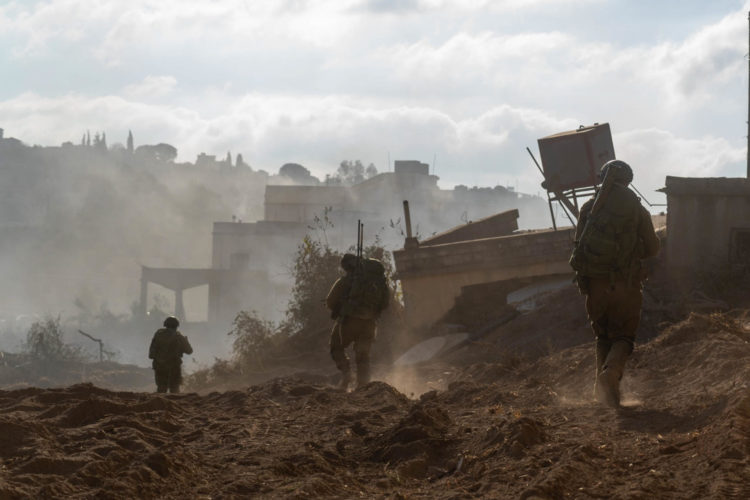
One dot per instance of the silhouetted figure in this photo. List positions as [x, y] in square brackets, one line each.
[356, 301]
[167, 348]
[613, 235]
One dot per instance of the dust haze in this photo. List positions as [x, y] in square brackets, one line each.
[80, 219]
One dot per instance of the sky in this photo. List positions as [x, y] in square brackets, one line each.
[464, 85]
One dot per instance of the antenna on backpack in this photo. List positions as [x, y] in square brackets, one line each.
[360, 239]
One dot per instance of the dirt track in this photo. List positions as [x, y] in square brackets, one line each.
[498, 430]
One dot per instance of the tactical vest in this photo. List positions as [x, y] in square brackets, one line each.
[609, 241]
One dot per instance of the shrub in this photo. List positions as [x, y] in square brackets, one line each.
[44, 342]
[316, 267]
[253, 339]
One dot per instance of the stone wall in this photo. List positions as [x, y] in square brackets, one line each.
[706, 220]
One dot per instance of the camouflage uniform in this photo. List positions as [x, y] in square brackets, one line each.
[167, 348]
[350, 329]
[613, 303]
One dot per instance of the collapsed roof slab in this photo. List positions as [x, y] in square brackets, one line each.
[432, 276]
[500, 224]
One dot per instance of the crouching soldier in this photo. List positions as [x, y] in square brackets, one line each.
[356, 301]
[167, 348]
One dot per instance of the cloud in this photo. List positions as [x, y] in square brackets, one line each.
[395, 6]
[477, 61]
[111, 30]
[654, 154]
[151, 87]
[269, 130]
[38, 24]
[388, 6]
[319, 82]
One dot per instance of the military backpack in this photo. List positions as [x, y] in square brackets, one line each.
[369, 291]
[609, 240]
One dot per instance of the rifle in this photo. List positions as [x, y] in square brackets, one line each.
[336, 313]
[360, 238]
[599, 199]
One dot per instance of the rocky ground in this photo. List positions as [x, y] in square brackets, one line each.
[508, 416]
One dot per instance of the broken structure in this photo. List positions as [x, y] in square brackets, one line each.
[436, 271]
[251, 262]
[708, 223]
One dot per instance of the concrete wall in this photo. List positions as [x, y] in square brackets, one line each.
[250, 264]
[260, 241]
[302, 203]
[231, 291]
[702, 217]
[432, 277]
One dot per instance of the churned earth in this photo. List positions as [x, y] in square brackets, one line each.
[510, 415]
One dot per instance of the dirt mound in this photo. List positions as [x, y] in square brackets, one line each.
[497, 426]
[557, 321]
[22, 370]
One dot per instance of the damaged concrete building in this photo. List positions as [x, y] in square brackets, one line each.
[251, 262]
[708, 224]
[487, 257]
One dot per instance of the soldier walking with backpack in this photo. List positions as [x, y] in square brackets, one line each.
[613, 235]
[356, 301]
[167, 347]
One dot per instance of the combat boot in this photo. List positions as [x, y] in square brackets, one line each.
[608, 389]
[363, 374]
[603, 345]
[346, 379]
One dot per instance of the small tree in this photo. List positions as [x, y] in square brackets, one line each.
[253, 338]
[161, 152]
[44, 342]
[315, 269]
[351, 172]
[240, 162]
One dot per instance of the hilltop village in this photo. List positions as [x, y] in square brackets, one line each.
[127, 227]
[482, 371]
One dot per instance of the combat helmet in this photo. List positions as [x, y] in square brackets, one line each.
[622, 172]
[171, 322]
